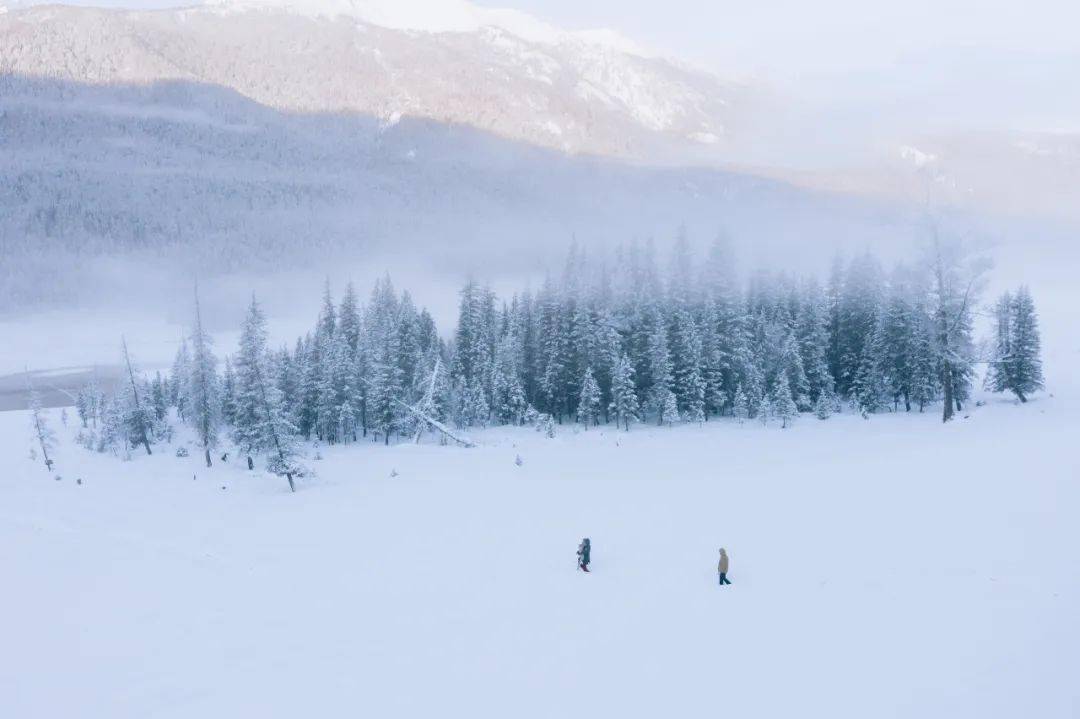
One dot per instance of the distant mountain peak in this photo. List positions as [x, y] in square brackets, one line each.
[437, 16]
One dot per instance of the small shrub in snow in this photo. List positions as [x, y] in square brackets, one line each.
[181, 452]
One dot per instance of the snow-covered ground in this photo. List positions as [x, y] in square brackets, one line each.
[884, 568]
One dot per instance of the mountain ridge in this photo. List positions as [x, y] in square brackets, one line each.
[572, 94]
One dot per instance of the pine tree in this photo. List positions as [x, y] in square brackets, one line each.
[159, 397]
[335, 388]
[588, 409]
[791, 368]
[348, 319]
[669, 409]
[868, 384]
[203, 395]
[781, 404]
[112, 432]
[385, 386]
[624, 401]
[228, 393]
[247, 431]
[90, 403]
[659, 364]
[997, 375]
[823, 406]
[261, 421]
[136, 415]
[741, 407]
[688, 383]
[178, 381]
[1016, 365]
[812, 335]
[507, 393]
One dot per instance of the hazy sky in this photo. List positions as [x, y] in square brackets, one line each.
[986, 63]
[972, 64]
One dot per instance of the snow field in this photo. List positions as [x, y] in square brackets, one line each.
[886, 568]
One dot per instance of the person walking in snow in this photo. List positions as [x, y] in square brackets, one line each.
[583, 551]
[722, 567]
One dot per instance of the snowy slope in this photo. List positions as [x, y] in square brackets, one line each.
[187, 178]
[496, 70]
[884, 568]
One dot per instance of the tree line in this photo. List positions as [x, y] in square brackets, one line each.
[607, 340]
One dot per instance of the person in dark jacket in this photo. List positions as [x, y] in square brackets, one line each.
[722, 567]
[583, 551]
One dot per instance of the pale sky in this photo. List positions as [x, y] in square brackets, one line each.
[980, 63]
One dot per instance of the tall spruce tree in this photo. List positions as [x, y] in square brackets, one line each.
[203, 395]
[624, 400]
[588, 408]
[1016, 365]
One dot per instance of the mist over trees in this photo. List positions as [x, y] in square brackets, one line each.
[626, 339]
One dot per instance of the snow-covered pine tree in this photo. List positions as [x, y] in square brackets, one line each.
[335, 388]
[725, 341]
[811, 332]
[588, 408]
[997, 373]
[659, 363]
[309, 371]
[624, 401]
[555, 325]
[669, 409]
[261, 421]
[385, 385]
[687, 381]
[858, 319]
[228, 393]
[867, 388]
[178, 379]
[741, 406]
[410, 354]
[898, 340]
[791, 367]
[823, 406]
[507, 393]
[136, 414]
[327, 323]
[1017, 365]
[247, 432]
[203, 395]
[763, 411]
[781, 404]
[90, 402]
[159, 396]
[348, 318]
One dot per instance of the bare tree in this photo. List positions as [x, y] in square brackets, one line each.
[44, 434]
[956, 281]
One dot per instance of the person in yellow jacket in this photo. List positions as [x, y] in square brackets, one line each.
[722, 567]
